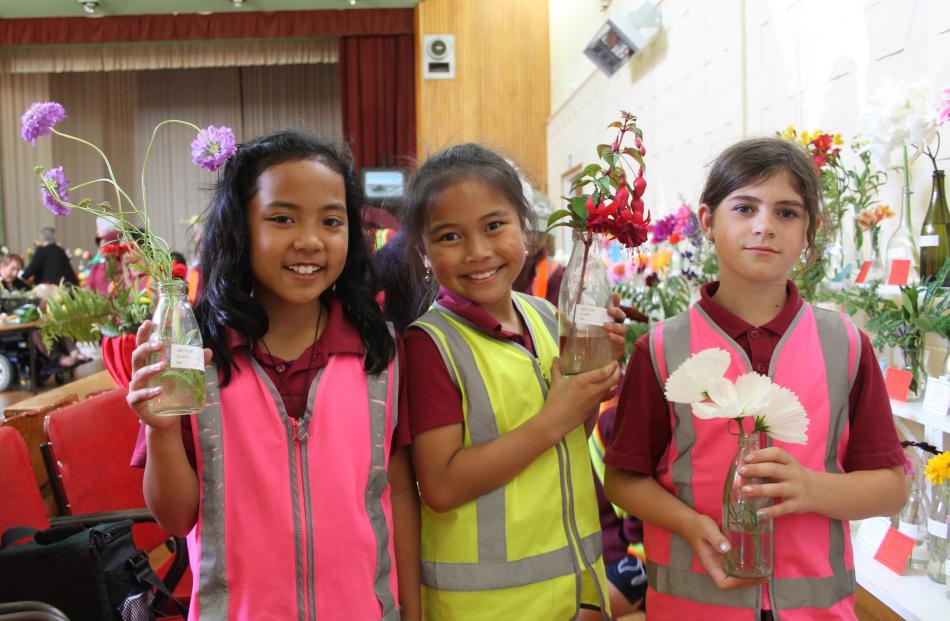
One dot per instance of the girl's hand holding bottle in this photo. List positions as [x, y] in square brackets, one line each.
[139, 391]
[616, 330]
[571, 399]
[703, 535]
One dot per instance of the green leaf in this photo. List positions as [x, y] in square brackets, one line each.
[602, 150]
[590, 170]
[635, 154]
[579, 208]
[558, 215]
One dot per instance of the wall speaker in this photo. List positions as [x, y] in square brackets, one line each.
[622, 37]
[438, 57]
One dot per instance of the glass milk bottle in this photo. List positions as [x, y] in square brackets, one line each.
[183, 379]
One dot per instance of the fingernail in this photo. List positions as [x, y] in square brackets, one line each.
[743, 469]
[747, 488]
[724, 546]
[155, 391]
[760, 513]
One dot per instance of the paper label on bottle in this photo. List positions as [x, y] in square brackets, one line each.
[898, 253]
[187, 357]
[937, 529]
[929, 240]
[908, 529]
[587, 315]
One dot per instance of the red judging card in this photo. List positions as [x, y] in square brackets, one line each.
[897, 382]
[894, 551]
[863, 274]
[900, 270]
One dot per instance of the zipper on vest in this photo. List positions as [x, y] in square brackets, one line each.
[304, 544]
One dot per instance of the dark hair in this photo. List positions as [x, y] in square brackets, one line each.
[226, 299]
[406, 294]
[12, 258]
[753, 161]
[453, 165]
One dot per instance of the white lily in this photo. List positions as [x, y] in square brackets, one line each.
[693, 379]
[783, 418]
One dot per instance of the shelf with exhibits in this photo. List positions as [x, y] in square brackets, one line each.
[915, 411]
[913, 595]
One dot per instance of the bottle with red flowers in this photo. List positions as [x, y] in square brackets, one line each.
[606, 205]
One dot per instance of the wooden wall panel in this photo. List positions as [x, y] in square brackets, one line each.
[501, 92]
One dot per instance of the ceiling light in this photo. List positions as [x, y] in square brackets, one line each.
[352, 2]
[237, 3]
[89, 6]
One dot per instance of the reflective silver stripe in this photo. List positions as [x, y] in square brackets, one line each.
[543, 308]
[676, 349]
[728, 339]
[482, 427]
[575, 566]
[835, 348]
[379, 391]
[814, 592]
[488, 576]
[212, 568]
[696, 587]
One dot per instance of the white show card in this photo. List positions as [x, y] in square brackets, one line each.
[937, 396]
[872, 532]
[588, 315]
[187, 357]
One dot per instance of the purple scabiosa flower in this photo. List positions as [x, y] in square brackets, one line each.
[687, 224]
[212, 148]
[40, 119]
[663, 227]
[57, 179]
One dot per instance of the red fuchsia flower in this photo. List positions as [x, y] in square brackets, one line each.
[39, 120]
[630, 228]
[55, 191]
[639, 185]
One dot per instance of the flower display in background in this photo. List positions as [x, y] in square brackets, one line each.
[662, 229]
[938, 468]
[944, 115]
[824, 148]
[212, 147]
[871, 217]
[899, 115]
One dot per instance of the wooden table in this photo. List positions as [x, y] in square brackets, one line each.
[81, 388]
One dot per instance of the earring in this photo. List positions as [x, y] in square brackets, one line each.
[525, 252]
[428, 274]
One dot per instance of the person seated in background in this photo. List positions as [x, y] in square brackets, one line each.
[63, 354]
[50, 264]
[10, 267]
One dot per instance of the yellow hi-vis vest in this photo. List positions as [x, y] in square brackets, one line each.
[532, 548]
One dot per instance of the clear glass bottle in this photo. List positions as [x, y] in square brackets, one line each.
[935, 232]
[183, 380]
[937, 532]
[902, 245]
[582, 307]
[750, 537]
[913, 523]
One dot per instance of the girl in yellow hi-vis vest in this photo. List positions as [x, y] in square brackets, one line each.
[510, 526]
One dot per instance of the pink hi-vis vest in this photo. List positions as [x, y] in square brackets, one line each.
[294, 517]
[816, 358]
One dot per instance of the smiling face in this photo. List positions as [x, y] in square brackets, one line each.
[475, 244]
[759, 231]
[298, 232]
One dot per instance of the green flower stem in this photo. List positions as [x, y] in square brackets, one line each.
[117, 188]
[162, 259]
[118, 195]
[906, 201]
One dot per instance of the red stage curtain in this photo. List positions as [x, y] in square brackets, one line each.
[378, 96]
[136, 28]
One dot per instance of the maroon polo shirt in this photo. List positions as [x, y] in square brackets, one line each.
[434, 401]
[292, 378]
[643, 431]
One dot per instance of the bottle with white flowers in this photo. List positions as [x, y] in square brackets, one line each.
[750, 536]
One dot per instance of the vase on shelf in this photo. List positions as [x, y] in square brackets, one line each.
[901, 246]
[914, 359]
[937, 531]
[750, 536]
[913, 521]
[183, 379]
[876, 272]
[582, 307]
[935, 232]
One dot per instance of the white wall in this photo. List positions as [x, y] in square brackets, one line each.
[726, 69]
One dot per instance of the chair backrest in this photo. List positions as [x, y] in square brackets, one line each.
[91, 444]
[30, 425]
[22, 504]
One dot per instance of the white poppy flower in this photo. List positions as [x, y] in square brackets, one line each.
[691, 381]
[783, 418]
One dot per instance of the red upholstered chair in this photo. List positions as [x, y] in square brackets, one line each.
[89, 446]
[22, 504]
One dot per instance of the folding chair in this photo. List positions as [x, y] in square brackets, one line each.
[89, 445]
